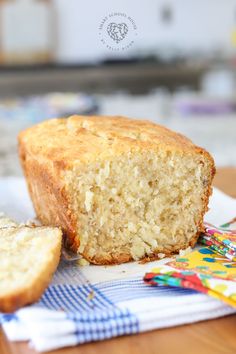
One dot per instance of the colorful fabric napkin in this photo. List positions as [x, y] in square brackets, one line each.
[221, 239]
[202, 270]
[211, 270]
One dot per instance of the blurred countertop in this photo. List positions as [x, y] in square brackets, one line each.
[135, 77]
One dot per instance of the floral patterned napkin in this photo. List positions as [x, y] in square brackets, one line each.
[211, 270]
[221, 239]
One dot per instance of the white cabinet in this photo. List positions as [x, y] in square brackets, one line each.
[25, 31]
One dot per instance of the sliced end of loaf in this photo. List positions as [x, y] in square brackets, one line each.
[28, 259]
[140, 204]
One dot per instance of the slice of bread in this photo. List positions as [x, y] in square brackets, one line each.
[28, 258]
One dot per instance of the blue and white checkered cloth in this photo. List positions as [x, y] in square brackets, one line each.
[70, 314]
[91, 303]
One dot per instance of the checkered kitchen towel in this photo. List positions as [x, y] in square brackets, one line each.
[91, 303]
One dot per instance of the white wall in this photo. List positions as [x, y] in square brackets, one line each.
[203, 25]
[197, 25]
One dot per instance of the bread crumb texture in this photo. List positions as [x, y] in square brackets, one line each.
[6, 222]
[121, 189]
[28, 258]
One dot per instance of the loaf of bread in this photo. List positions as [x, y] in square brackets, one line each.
[28, 258]
[120, 189]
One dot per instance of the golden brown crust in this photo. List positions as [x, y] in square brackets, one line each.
[44, 159]
[88, 139]
[25, 296]
[48, 196]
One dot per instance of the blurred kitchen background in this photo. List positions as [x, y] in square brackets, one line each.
[180, 71]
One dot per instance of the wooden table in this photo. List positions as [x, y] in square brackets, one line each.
[208, 337]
